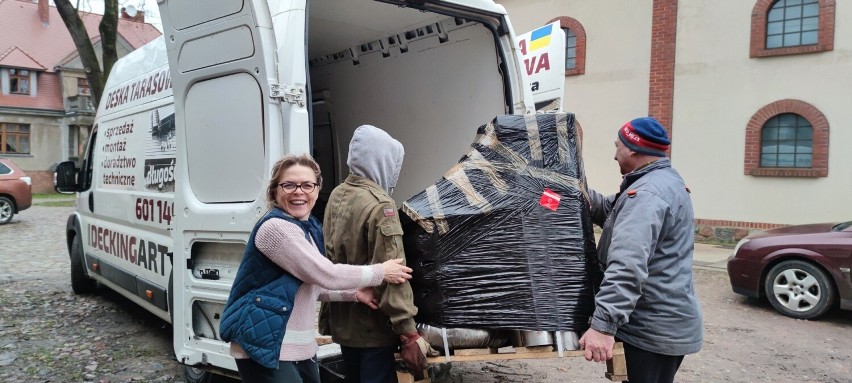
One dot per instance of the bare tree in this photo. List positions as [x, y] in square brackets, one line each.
[107, 28]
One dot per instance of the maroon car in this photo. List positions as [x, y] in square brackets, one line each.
[15, 190]
[803, 270]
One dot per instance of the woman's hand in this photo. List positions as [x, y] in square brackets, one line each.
[367, 296]
[395, 271]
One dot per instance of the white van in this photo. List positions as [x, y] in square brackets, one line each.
[190, 125]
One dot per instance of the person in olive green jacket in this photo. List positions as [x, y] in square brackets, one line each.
[362, 227]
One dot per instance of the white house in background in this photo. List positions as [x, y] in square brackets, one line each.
[46, 109]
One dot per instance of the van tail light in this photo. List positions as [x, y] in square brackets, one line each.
[28, 180]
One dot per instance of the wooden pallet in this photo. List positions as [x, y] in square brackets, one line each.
[616, 368]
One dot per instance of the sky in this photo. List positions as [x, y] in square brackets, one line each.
[152, 12]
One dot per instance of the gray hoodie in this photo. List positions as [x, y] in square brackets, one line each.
[375, 155]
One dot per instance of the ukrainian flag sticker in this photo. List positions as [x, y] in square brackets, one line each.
[540, 38]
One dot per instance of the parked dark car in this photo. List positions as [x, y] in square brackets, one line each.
[803, 270]
[16, 190]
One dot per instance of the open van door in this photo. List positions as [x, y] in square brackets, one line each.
[240, 103]
[543, 61]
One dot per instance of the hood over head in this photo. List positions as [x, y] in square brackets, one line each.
[375, 155]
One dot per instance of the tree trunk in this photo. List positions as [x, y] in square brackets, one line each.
[107, 29]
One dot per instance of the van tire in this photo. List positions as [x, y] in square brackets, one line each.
[196, 375]
[7, 210]
[80, 282]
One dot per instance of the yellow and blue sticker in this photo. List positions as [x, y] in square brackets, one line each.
[540, 38]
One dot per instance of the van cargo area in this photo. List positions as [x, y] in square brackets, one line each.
[428, 79]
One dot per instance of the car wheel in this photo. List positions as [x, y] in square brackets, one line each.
[799, 289]
[80, 282]
[7, 210]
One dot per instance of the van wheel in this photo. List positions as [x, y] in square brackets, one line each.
[80, 282]
[196, 375]
[7, 210]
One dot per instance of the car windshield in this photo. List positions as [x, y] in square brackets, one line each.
[841, 226]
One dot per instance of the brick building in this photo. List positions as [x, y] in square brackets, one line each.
[46, 110]
[752, 92]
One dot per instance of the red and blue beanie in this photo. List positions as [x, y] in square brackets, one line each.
[645, 135]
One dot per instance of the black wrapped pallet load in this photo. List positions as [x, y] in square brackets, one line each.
[504, 240]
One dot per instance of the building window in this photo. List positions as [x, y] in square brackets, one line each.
[786, 141]
[570, 49]
[787, 138]
[785, 27]
[77, 138]
[575, 45]
[83, 87]
[19, 81]
[792, 23]
[14, 139]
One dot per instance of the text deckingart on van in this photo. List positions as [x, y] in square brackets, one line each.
[148, 255]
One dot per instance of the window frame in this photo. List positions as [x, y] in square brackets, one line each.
[4, 138]
[566, 22]
[753, 140]
[15, 87]
[776, 141]
[759, 20]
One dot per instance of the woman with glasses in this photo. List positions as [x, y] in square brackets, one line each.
[271, 313]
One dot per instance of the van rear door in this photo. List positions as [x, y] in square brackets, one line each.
[543, 62]
[240, 103]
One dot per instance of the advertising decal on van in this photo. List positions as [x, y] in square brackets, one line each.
[139, 90]
[148, 255]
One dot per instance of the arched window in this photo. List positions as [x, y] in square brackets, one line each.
[787, 141]
[786, 27]
[575, 45]
[792, 23]
[787, 138]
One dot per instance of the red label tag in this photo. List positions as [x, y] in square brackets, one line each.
[549, 199]
[389, 212]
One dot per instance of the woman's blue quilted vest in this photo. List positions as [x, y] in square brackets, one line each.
[262, 297]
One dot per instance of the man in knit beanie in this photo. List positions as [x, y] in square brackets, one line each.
[646, 299]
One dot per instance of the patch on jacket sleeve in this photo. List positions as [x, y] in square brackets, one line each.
[389, 212]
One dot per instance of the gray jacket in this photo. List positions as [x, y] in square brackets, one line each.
[647, 297]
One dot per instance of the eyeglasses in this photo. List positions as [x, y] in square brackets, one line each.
[289, 187]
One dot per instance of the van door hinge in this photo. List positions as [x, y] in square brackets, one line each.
[289, 94]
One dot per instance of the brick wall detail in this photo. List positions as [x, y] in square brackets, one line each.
[725, 231]
[42, 181]
[819, 164]
[662, 76]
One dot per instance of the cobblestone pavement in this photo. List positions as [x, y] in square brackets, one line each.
[29, 248]
[50, 334]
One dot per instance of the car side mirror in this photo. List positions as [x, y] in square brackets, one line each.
[65, 178]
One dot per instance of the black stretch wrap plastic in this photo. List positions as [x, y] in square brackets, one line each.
[487, 252]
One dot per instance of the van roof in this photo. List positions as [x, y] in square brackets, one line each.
[138, 63]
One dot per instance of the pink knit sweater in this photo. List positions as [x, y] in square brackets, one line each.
[285, 244]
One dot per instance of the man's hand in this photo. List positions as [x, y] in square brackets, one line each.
[367, 296]
[598, 345]
[414, 349]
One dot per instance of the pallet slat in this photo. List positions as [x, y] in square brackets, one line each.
[616, 368]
